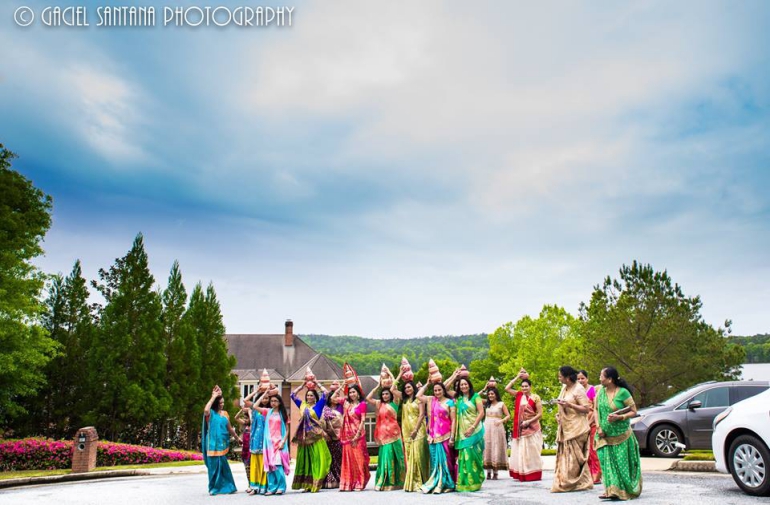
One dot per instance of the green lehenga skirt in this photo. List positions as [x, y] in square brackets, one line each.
[312, 466]
[390, 467]
[621, 469]
[470, 466]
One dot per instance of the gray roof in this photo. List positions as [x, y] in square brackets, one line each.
[254, 352]
[323, 368]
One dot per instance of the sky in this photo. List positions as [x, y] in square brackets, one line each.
[403, 169]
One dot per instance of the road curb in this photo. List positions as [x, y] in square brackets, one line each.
[693, 466]
[70, 477]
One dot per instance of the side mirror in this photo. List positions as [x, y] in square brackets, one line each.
[695, 404]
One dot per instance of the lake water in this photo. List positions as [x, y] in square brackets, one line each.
[756, 371]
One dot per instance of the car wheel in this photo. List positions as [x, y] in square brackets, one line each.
[663, 441]
[749, 461]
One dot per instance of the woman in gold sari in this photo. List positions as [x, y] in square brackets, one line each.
[616, 444]
[572, 471]
[415, 441]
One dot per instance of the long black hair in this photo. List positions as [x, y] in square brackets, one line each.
[443, 387]
[382, 392]
[488, 403]
[315, 393]
[612, 374]
[360, 394]
[568, 373]
[403, 391]
[215, 405]
[470, 387]
[281, 407]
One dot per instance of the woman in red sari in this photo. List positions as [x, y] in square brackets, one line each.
[593, 459]
[525, 463]
[354, 474]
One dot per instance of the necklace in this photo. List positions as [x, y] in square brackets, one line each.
[614, 393]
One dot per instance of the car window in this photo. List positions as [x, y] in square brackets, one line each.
[714, 397]
[742, 392]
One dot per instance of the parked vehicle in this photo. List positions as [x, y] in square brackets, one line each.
[686, 418]
[741, 444]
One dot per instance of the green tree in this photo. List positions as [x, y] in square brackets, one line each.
[445, 366]
[69, 320]
[25, 349]
[541, 346]
[129, 361]
[204, 317]
[645, 326]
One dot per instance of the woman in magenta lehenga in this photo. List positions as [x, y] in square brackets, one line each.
[331, 420]
[525, 463]
[354, 474]
[593, 459]
[441, 421]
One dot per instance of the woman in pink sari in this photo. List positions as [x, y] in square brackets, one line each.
[525, 463]
[354, 474]
[441, 426]
[593, 459]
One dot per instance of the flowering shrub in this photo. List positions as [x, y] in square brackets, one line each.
[42, 454]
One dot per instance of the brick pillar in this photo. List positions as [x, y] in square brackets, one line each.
[84, 451]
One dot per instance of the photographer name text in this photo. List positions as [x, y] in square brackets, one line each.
[133, 16]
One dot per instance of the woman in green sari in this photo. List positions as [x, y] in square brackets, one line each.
[469, 436]
[616, 444]
[387, 433]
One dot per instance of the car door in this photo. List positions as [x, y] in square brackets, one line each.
[700, 419]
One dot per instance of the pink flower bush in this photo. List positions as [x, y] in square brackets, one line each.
[42, 454]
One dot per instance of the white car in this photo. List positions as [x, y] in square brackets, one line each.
[741, 443]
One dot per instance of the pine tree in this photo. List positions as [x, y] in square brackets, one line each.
[25, 349]
[205, 319]
[70, 322]
[129, 360]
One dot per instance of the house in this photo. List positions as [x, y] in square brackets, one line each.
[286, 357]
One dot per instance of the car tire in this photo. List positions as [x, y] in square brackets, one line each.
[663, 440]
[749, 463]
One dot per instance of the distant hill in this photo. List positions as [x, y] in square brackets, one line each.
[757, 347]
[367, 354]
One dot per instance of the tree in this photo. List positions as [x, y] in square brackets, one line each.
[69, 320]
[445, 366]
[204, 317]
[645, 326]
[541, 346]
[25, 349]
[129, 361]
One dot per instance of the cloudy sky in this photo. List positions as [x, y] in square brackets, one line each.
[400, 169]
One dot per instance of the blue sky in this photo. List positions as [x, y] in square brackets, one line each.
[407, 169]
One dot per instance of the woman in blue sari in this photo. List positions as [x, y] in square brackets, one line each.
[216, 444]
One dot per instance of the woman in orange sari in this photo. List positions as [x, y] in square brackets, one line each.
[387, 434]
[354, 474]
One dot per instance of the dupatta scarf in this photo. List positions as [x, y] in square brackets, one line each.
[387, 430]
[525, 413]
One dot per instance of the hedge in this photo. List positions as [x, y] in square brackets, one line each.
[43, 454]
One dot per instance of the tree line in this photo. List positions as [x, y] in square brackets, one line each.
[757, 348]
[138, 366]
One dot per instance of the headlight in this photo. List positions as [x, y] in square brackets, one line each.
[636, 419]
[721, 417]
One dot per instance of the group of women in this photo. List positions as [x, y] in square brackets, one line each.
[442, 442]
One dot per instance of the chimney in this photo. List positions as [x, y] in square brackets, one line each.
[288, 339]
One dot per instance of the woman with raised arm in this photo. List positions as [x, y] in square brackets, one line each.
[495, 457]
[313, 456]
[416, 452]
[275, 436]
[469, 436]
[216, 444]
[616, 444]
[572, 472]
[593, 459]
[387, 434]
[331, 420]
[257, 474]
[441, 425]
[354, 474]
[526, 462]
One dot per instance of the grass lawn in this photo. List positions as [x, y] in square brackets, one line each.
[46, 473]
[698, 456]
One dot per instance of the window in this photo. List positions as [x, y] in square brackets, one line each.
[740, 393]
[369, 423]
[246, 390]
[714, 397]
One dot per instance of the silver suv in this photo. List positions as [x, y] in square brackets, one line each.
[686, 418]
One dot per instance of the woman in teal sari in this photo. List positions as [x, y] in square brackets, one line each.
[469, 436]
[616, 444]
[216, 444]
